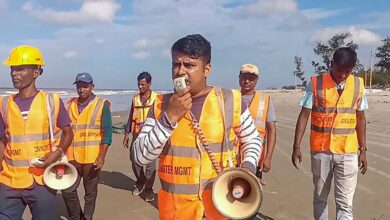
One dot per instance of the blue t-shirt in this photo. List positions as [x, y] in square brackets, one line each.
[307, 99]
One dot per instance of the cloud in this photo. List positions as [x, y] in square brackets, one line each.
[102, 11]
[141, 54]
[148, 43]
[3, 5]
[70, 54]
[273, 7]
[166, 53]
[138, 36]
[359, 36]
[319, 13]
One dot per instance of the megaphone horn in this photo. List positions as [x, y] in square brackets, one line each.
[60, 175]
[237, 193]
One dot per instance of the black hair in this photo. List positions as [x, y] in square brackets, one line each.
[145, 75]
[195, 46]
[345, 57]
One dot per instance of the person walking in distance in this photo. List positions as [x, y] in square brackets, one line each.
[92, 126]
[34, 124]
[336, 102]
[140, 106]
[263, 113]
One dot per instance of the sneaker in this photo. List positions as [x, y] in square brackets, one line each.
[138, 191]
[149, 197]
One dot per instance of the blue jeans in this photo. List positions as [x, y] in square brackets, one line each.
[40, 200]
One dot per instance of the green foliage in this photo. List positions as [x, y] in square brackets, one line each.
[380, 79]
[325, 51]
[384, 55]
[298, 70]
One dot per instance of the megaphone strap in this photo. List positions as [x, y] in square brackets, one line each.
[197, 130]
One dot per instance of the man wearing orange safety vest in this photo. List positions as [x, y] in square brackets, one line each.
[92, 127]
[336, 102]
[33, 124]
[263, 113]
[139, 110]
[193, 131]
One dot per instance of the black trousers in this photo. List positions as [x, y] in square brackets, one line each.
[90, 180]
[145, 174]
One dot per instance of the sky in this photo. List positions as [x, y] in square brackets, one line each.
[116, 40]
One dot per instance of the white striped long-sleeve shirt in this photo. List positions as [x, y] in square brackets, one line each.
[151, 141]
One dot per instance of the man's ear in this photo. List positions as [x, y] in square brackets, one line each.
[207, 69]
[37, 72]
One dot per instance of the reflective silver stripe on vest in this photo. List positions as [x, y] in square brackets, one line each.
[319, 88]
[96, 111]
[52, 107]
[334, 130]
[258, 121]
[17, 163]
[4, 110]
[28, 137]
[186, 189]
[356, 91]
[177, 151]
[321, 109]
[86, 143]
[53, 114]
[193, 152]
[228, 102]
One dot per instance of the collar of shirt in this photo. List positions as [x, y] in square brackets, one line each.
[80, 106]
[340, 86]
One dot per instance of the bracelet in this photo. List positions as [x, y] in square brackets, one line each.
[173, 125]
[61, 151]
[363, 148]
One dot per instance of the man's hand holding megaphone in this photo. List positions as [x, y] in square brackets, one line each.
[241, 188]
[50, 158]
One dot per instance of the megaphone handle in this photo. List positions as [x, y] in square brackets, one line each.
[197, 130]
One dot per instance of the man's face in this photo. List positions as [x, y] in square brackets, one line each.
[340, 74]
[23, 76]
[195, 70]
[84, 89]
[248, 82]
[143, 86]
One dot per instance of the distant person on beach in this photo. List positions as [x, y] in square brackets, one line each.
[336, 102]
[140, 106]
[92, 127]
[25, 135]
[263, 113]
[186, 130]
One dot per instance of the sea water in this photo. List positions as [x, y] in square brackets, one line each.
[120, 99]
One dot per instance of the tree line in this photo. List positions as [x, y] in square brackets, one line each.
[380, 74]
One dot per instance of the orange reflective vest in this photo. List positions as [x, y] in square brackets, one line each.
[140, 112]
[333, 116]
[87, 131]
[185, 169]
[27, 139]
[258, 107]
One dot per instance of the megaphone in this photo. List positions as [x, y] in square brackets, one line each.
[60, 175]
[237, 193]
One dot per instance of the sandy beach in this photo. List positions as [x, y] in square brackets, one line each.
[288, 194]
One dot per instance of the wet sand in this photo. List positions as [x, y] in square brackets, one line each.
[288, 194]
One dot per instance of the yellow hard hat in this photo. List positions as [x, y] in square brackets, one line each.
[24, 55]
